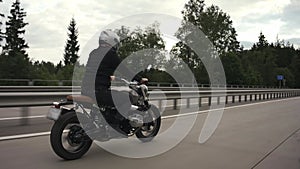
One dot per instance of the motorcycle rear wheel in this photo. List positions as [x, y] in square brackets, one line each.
[62, 138]
[151, 128]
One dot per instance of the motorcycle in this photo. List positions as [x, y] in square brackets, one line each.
[79, 121]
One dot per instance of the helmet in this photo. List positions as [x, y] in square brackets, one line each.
[109, 37]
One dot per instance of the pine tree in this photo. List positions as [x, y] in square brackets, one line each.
[72, 47]
[262, 42]
[15, 42]
[14, 59]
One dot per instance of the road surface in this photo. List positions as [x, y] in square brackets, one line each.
[259, 135]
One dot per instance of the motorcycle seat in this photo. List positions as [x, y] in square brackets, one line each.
[81, 98]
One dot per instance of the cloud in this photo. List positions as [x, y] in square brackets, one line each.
[48, 20]
[295, 42]
[290, 16]
[250, 17]
[46, 33]
[247, 44]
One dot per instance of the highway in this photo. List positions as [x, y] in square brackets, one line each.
[11, 119]
[258, 135]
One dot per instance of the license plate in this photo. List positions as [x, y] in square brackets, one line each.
[53, 113]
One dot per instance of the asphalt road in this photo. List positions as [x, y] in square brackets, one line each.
[261, 135]
[12, 122]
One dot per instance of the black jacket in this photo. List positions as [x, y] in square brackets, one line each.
[102, 64]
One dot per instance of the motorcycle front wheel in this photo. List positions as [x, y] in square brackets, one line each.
[66, 137]
[151, 127]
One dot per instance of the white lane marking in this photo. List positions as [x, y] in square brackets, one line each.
[19, 118]
[21, 136]
[226, 108]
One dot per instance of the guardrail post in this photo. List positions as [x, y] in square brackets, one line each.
[250, 97]
[245, 98]
[233, 98]
[30, 83]
[218, 100]
[240, 98]
[24, 115]
[226, 99]
[160, 104]
[188, 103]
[255, 97]
[267, 96]
[209, 101]
[175, 104]
[200, 101]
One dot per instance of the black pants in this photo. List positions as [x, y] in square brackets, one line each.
[118, 100]
[112, 98]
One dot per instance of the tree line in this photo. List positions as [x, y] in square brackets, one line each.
[258, 65]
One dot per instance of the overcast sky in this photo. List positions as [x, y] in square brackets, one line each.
[48, 20]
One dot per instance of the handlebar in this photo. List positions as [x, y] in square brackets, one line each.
[126, 81]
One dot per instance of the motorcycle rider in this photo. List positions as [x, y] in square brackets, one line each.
[102, 63]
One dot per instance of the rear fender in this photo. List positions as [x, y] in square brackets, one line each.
[59, 109]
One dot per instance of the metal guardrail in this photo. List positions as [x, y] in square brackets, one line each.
[78, 88]
[30, 99]
[19, 99]
[42, 82]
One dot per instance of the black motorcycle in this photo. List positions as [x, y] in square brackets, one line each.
[79, 121]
